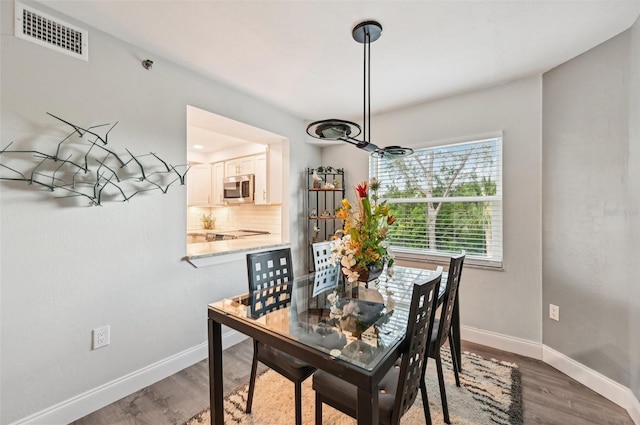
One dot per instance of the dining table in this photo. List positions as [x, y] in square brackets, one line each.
[359, 348]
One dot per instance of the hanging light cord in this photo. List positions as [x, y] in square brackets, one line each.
[366, 105]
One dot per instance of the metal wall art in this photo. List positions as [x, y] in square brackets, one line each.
[83, 166]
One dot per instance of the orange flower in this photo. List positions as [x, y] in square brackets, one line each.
[342, 214]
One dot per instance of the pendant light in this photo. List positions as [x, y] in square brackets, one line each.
[347, 131]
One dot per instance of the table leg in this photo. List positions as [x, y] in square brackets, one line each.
[216, 389]
[368, 412]
[455, 325]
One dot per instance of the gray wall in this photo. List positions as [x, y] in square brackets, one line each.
[67, 268]
[634, 196]
[588, 209]
[506, 302]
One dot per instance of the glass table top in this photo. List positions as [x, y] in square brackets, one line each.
[356, 325]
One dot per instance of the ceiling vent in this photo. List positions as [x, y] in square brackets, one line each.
[40, 28]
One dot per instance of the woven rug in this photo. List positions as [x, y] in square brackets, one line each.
[490, 394]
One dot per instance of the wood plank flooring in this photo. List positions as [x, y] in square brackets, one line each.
[549, 396]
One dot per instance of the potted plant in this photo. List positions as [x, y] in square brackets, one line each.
[208, 221]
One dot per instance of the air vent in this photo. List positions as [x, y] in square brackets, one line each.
[40, 28]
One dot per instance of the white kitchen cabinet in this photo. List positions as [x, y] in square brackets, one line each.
[199, 184]
[261, 180]
[268, 177]
[217, 189]
[240, 166]
[275, 165]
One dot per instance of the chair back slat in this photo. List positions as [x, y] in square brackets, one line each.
[419, 327]
[270, 280]
[453, 283]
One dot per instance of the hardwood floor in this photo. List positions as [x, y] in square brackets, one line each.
[549, 396]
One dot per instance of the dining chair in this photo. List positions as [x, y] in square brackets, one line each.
[326, 274]
[270, 289]
[399, 387]
[442, 332]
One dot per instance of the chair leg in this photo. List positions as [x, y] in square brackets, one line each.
[298, 394]
[443, 393]
[425, 401]
[454, 361]
[318, 409]
[252, 380]
[453, 349]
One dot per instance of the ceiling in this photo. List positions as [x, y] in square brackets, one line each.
[300, 56]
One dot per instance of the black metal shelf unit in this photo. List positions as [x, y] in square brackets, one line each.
[325, 193]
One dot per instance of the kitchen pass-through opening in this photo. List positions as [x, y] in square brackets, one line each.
[236, 187]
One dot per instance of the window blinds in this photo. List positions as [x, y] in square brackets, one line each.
[446, 199]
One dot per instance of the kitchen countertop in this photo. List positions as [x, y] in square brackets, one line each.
[203, 253]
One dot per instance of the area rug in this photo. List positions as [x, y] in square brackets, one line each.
[490, 394]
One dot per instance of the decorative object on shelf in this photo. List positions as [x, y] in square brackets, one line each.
[320, 206]
[362, 250]
[347, 131]
[336, 184]
[317, 181]
[92, 171]
[207, 221]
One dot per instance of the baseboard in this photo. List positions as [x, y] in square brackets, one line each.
[599, 383]
[634, 408]
[502, 342]
[92, 400]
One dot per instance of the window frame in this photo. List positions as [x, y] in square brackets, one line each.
[422, 255]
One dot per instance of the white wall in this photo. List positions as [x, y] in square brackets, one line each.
[587, 208]
[506, 302]
[67, 268]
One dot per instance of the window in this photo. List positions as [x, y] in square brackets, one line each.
[446, 199]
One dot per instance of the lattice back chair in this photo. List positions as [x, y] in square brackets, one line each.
[270, 280]
[442, 330]
[270, 289]
[326, 274]
[398, 389]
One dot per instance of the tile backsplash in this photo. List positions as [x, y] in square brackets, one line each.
[251, 217]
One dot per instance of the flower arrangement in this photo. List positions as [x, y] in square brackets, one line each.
[362, 245]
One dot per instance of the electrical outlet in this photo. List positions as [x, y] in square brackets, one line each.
[101, 337]
[554, 312]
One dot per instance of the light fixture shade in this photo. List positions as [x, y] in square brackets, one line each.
[393, 151]
[333, 129]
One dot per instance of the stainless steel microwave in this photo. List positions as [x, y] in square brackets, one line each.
[238, 188]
